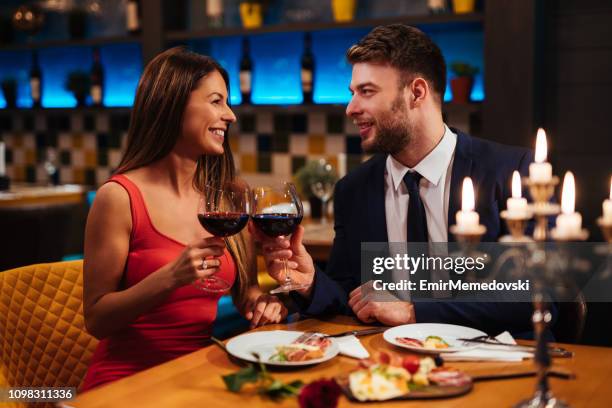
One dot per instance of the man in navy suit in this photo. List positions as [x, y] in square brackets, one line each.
[410, 190]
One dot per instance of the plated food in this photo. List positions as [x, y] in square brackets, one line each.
[430, 342]
[388, 376]
[309, 346]
[432, 338]
[283, 348]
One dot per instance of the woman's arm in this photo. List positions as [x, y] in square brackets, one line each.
[107, 241]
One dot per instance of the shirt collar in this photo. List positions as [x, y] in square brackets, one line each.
[432, 167]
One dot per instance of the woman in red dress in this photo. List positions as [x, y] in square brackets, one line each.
[143, 245]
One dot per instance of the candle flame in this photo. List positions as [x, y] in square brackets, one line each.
[467, 198]
[516, 185]
[568, 195]
[541, 150]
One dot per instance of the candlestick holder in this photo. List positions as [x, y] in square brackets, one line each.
[541, 193]
[468, 239]
[580, 235]
[516, 226]
[468, 235]
[606, 228]
[606, 249]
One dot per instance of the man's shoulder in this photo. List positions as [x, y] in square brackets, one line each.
[490, 154]
[360, 175]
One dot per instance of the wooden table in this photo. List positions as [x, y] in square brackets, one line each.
[195, 379]
[24, 194]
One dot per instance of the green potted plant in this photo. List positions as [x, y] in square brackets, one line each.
[462, 83]
[78, 83]
[315, 182]
[9, 90]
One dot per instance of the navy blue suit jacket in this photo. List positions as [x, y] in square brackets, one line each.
[359, 209]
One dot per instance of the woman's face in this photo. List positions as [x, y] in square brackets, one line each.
[206, 117]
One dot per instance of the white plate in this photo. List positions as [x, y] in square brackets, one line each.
[264, 343]
[449, 333]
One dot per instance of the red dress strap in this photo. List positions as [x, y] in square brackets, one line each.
[138, 208]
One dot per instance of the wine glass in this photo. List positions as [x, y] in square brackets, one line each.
[222, 212]
[277, 211]
[324, 187]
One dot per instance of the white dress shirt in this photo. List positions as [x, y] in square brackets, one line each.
[436, 169]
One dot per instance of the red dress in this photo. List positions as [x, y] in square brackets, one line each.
[180, 325]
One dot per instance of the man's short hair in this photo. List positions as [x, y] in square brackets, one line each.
[406, 48]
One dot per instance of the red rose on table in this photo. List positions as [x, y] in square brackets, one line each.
[320, 394]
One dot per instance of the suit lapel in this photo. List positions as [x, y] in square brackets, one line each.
[462, 167]
[376, 215]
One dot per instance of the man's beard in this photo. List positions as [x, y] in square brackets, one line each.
[393, 130]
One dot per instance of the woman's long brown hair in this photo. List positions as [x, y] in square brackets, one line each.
[156, 124]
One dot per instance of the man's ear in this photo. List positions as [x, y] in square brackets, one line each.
[419, 90]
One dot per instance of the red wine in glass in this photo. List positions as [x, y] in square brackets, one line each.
[223, 212]
[277, 211]
[223, 224]
[277, 224]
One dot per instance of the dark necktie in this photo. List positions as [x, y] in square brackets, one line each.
[417, 222]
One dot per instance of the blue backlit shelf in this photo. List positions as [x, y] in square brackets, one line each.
[434, 19]
[86, 42]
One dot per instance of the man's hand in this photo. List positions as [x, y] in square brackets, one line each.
[389, 313]
[300, 265]
[266, 309]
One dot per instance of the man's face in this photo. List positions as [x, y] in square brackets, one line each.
[378, 108]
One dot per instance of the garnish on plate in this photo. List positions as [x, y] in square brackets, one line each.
[309, 346]
[265, 383]
[431, 342]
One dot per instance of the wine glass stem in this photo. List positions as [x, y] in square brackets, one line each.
[286, 271]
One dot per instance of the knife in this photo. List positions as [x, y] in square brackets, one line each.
[363, 332]
[554, 351]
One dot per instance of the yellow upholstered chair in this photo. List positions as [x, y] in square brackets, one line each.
[43, 341]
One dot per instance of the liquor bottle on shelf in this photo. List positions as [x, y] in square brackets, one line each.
[246, 68]
[437, 6]
[132, 17]
[307, 70]
[35, 81]
[214, 13]
[97, 79]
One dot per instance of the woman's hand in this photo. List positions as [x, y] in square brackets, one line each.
[198, 260]
[299, 262]
[265, 309]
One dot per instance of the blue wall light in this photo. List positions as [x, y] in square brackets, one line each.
[332, 71]
[227, 52]
[122, 69]
[56, 65]
[16, 65]
[276, 68]
[465, 46]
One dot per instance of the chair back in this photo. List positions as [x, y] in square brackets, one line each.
[43, 341]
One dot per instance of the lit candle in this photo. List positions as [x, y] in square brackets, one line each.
[517, 205]
[569, 222]
[467, 218]
[2, 162]
[541, 170]
[607, 207]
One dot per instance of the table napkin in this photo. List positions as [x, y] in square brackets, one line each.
[350, 346]
[488, 352]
